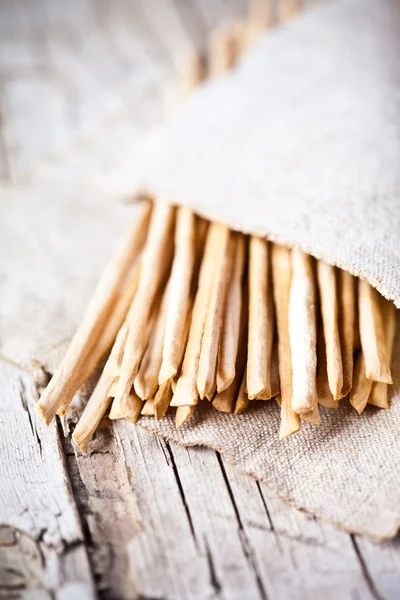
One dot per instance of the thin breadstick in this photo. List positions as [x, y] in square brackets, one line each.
[288, 9]
[186, 389]
[112, 367]
[303, 334]
[110, 333]
[261, 321]
[259, 19]
[135, 405]
[113, 388]
[148, 408]
[281, 274]
[325, 397]
[192, 73]
[361, 389]
[162, 399]
[242, 399]
[312, 416]
[93, 412]
[329, 308]
[152, 272]
[372, 334]
[225, 401]
[183, 414]
[67, 379]
[179, 296]
[146, 380]
[379, 392]
[347, 314]
[206, 375]
[231, 319]
[222, 51]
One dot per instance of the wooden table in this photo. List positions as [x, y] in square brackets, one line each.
[138, 517]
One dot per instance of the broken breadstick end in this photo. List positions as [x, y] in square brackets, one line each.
[183, 413]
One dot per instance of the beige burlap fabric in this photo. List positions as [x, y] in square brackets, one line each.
[304, 148]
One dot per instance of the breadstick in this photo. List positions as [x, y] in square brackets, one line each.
[261, 321]
[231, 319]
[162, 399]
[225, 400]
[179, 297]
[206, 375]
[373, 342]
[186, 389]
[183, 414]
[379, 392]
[152, 272]
[146, 380]
[112, 367]
[148, 408]
[67, 379]
[325, 397]
[242, 399]
[258, 20]
[361, 385]
[93, 412]
[281, 274]
[347, 313]
[329, 309]
[303, 334]
[109, 335]
[222, 51]
[193, 73]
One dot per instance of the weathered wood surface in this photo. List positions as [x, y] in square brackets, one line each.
[138, 517]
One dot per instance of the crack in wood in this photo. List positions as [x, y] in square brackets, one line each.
[214, 581]
[246, 546]
[181, 492]
[365, 571]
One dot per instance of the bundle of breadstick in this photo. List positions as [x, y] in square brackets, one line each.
[189, 310]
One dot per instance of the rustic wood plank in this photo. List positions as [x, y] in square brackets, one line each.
[42, 545]
[299, 556]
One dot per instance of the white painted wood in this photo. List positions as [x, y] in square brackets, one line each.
[39, 522]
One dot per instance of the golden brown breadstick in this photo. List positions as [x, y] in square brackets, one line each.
[242, 399]
[261, 321]
[148, 408]
[379, 392]
[329, 308]
[146, 380]
[231, 319]
[110, 334]
[259, 19]
[183, 414]
[152, 272]
[347, 315]
[373, 342]
[361, 385]
[67, 379]
[186, 390]
[206, 375]
[179, 295]
[222, 51]
[162, 399]
[281, 274]
[303, 334]
[93, 412]
[225, 400]
[325, 397]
